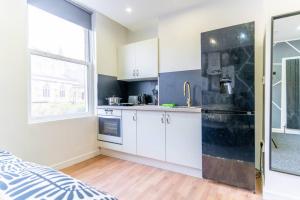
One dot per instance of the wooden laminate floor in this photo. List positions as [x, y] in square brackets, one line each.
[131, 181]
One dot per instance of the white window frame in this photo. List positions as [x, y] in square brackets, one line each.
[90, 87]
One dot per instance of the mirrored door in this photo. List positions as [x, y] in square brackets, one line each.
[285, 107]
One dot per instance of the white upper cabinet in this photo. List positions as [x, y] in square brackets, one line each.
[183, 139]
[138, 61]
[151, 136]
[126, 62]
[147, 58]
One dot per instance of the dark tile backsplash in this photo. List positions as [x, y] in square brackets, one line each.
[171, 87]
[141, 87]
[110, 86]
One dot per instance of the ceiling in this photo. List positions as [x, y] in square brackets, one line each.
[145, 13]
[287, 28]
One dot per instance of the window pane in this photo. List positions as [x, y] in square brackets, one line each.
[55, 35]
[57, 87]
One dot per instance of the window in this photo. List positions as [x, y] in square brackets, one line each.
[60, 65]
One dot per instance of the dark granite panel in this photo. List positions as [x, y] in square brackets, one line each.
[228, 38]
[228, 131]
[235, 173]
[171, 87]
[229, 136]
[225, 54]
[109, 86]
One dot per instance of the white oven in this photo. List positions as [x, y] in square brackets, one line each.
[110, 126]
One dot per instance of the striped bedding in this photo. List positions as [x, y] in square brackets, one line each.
[20, 180]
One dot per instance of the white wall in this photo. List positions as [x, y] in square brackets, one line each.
[144, 34]
[179, 39]
[278, 186]
[110, 35]
[47, 143]
[179, 33]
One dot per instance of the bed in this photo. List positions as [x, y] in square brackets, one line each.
[20, 180]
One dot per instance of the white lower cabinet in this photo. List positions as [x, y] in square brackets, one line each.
[151, 137]
[174, 137]
[183, 139]
[128, 128]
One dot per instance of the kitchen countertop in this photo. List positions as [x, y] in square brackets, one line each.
[154, 108]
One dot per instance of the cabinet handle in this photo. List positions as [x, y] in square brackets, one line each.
[168, 119]
[109, 111]
[163, 119]
[137, 72]
[134, 117]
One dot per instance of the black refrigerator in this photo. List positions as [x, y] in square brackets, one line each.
[228, 129]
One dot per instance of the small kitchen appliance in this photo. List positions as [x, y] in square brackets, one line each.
[112, 101]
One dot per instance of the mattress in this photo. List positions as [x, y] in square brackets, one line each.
[21, 180]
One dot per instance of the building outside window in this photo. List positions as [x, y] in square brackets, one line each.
[60, 63]
[46, 91]
[62, 92]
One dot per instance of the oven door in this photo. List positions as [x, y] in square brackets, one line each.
[110, 129]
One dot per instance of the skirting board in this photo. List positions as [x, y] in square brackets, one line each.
[75, 160]
[153, 163]
[276, 196]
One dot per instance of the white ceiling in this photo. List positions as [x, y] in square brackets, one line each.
[286, 29]
[145, 13]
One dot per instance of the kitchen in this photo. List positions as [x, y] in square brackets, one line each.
[184, 121]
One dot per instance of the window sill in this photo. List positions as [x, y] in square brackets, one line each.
[59, 118]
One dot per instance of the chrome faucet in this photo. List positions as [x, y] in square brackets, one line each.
[189, 99]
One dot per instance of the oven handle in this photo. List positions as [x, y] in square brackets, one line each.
[109, 117]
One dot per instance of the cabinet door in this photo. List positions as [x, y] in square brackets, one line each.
[147, 58]
[151, 134]
[126, 62]
[129, 131]
[183, 139]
